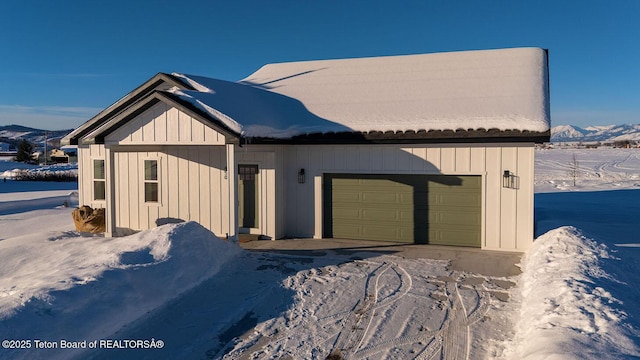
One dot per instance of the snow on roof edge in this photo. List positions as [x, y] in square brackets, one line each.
[524, 70]
[532, 112]
[229, 122]
[194, 84]
[368, 57]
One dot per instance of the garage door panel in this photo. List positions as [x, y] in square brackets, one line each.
[382, 232]
[395, 215]
[452, 199]
[390, 216]
[386, 198]
[350, 196]
[437, 218]
[379, 232]
[348, 232]
[347, 213]
[436, 209]
[381, 198]
[455, 237]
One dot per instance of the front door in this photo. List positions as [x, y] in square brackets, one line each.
[248, 196]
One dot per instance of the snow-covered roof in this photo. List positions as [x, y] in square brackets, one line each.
[251, 111]
[504, 89]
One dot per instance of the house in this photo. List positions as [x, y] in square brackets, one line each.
[7, 149]
[432, 148]
[58, 156]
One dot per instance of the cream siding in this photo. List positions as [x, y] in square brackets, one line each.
[507, 216]
[463, 160]
[86, 155]
[162, 124]
[280, 195]
[193, 184]
[230, 216]
[508, 201]
[525, 197]
[110, 213]
[448, 160]
[265, 158]
[493, 189]
[192, 187]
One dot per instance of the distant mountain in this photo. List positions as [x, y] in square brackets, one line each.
[607, 133]
[13, 134]
[567, 133]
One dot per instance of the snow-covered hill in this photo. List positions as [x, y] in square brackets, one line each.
[13, 134]
[607, 133]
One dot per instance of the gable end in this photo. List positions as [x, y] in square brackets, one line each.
[159, 81]
[100, 135]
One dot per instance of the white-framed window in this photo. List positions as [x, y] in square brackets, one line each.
[151, 181]
[99, 180]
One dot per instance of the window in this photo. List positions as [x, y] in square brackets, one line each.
[247, 172]
[99, 180]
[151, 183]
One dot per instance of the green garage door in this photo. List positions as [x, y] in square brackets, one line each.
[433, 209]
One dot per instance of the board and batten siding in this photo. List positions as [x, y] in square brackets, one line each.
[507, 214]
[191, 159]
[192, 187]
[270, 199]
[86, 155]
[162, 124]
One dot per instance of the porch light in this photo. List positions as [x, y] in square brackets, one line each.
[509, 180]
[301, 176]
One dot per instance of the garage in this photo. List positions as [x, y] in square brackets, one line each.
[407, 208]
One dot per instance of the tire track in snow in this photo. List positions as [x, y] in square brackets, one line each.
[456, 334]
[452, 341]
[352, 334]
[406, 283]
[345, 332]
[432, 349]
[426, 337]
[481, 309]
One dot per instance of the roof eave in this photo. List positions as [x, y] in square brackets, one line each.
[412, 137]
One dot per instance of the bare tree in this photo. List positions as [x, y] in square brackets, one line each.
[574, 168]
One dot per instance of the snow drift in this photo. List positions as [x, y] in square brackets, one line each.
[78, 288]
[568, 309]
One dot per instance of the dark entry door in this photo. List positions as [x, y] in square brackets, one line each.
[248, 196]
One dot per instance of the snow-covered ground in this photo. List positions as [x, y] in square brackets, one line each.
[178, 291]
[593, 169]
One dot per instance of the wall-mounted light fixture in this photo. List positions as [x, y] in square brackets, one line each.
[301, 176]
[510, 180]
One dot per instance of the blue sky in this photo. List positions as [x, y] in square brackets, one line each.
[63, 61]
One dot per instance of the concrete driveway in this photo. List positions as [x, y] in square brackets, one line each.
[490, 263]
[370, 299]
